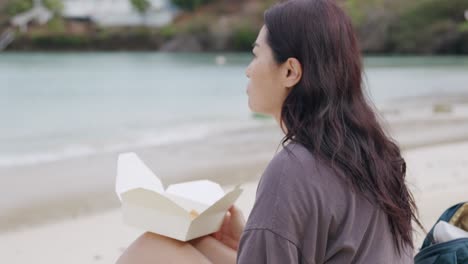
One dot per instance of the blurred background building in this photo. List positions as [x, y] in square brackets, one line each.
[115, 13]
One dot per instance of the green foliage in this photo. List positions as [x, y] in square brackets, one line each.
[103, 33]
[355, 11]
[189, 4]
[55, 6]
[410, 26]
[243, 37]
[442, 108]
[15, 7]
[140, 32]
[168, 31]
[141, 5]
[429, 11]
[359, 10]
[198, 25]
[56, 25]
[267, 3]
[60, 40]
[420, 27]
[463, 27]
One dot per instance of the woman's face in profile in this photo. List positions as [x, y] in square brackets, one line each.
[265, 89]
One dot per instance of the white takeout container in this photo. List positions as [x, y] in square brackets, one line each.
[146, 205]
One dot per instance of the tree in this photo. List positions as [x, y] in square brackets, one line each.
[189, 4]
[15, 7]
[430, 26]
[55, 6]
[141, 5]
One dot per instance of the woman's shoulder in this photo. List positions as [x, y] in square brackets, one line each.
[289, 194]
[296, 165]
[289, 156]
[295, 179]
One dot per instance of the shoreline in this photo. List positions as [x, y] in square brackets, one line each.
[86, 184]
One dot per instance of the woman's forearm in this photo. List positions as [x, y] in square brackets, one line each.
[214, 250]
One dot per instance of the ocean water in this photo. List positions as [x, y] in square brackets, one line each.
[60, 105]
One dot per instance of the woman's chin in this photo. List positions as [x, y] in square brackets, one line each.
[250, 105]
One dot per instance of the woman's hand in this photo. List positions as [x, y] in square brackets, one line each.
[231, 229]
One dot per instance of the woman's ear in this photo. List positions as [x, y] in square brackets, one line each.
[292, 72]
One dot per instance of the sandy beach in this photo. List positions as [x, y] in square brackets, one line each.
[67, 212]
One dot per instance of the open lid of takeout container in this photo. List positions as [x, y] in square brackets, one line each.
[193, 208]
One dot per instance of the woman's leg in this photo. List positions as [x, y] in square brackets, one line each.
[214, 250]
[153, 248]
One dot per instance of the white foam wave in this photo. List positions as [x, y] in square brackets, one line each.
[69, 151]
[179, 134]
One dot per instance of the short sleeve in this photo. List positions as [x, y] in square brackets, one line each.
[265, 246]
[289, 215]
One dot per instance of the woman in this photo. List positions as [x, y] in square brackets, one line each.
[336, 192]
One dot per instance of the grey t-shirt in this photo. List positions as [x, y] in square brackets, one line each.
[306, 213]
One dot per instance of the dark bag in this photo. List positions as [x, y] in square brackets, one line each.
[450, 252]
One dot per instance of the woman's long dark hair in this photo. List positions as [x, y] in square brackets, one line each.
[327, 111]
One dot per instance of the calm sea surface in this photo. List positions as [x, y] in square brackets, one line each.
[60, 105]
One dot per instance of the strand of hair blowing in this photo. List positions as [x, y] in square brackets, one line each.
[327, 111]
